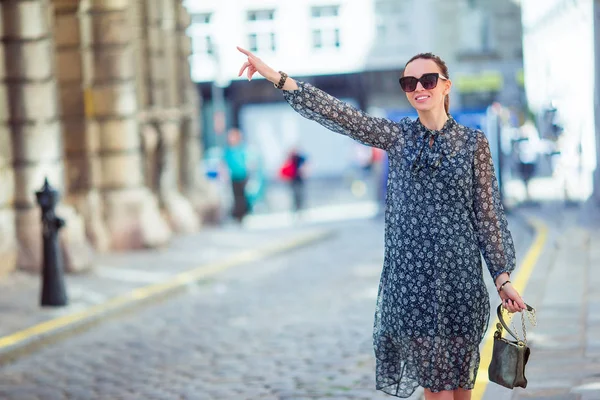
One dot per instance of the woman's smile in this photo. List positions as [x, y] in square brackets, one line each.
[422, 98]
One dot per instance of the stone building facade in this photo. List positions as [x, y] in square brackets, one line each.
[96, 95]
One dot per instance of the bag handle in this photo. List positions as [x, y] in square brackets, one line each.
[501, 319]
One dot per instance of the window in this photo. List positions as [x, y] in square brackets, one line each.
[261, 15]
[261, 30]
[325, 11]
[272, 40]
[261, 41]
[317, 39]
[202, 18]
[326, 38]
[253, 42]
[325, 27]
[201, 33]
[264, 41]
[203, 45]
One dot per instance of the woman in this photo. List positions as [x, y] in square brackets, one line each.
[442, 209]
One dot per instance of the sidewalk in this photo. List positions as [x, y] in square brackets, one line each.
[564, 287]
[121, 281]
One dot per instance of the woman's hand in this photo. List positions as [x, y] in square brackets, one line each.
[511, 300]
[255, 64]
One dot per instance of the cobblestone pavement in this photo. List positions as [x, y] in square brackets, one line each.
[295, 326]
[118, 273]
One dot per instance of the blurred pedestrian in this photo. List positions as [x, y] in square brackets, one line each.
[236, 159]
[293, 171]
[443, 210]
[528, 151]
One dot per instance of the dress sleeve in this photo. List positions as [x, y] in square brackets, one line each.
[495, 240]
[340, 117]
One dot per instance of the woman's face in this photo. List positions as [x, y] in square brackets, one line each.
[421, 99]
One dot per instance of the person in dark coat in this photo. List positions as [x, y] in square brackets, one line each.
[293, 171]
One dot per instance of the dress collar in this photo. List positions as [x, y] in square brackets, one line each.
[422, 130]
[430, 157]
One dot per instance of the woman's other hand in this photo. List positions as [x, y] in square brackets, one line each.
[511, 300]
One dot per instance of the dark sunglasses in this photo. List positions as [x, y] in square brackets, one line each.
[428, 81]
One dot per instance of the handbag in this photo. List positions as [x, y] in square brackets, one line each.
[509, 357]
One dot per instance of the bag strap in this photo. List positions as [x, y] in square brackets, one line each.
[501, 319]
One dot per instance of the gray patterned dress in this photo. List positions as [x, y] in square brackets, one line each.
[443, 211]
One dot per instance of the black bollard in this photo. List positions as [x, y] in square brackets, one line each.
[53, 282]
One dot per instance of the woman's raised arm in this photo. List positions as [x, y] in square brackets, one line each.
[332, 113]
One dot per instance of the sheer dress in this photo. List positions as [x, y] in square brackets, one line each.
[443, 211]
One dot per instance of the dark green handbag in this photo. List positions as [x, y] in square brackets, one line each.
[509, 357]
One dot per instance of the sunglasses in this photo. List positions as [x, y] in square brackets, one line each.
[428, 81]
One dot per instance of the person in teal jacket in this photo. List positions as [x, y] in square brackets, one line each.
[236, 159]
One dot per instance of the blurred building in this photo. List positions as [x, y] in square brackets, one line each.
[488, 60]
[354, 50]
[97, 97]
[558, 38]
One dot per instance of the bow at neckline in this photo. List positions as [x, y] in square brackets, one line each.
[430, 156]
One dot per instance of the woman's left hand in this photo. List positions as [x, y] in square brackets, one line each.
[511, 300]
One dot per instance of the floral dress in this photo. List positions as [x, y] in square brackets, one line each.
[443, 211]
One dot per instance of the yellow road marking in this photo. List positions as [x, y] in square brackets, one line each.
[141, 293]
[520, 283]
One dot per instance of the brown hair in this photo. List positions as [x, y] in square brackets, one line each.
[441, 65]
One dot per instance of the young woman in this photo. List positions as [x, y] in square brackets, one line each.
[443, 210]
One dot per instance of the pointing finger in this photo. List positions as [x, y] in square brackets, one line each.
[246, 52]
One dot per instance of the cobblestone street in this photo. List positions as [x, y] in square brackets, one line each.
[194, 196]
[295, 326]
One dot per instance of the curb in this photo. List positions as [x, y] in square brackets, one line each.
[30, 339]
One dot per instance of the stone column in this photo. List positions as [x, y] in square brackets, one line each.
[81, 155]
[133, 217]
[149, 139]
[36, 130]
[146, 92]
[195, 186]
[163, 114]
[8, 242]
